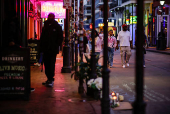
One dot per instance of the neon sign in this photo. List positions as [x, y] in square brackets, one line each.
[53, 7]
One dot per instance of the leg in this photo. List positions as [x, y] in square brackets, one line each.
[46, 64]
[111, 56]
[128, 50]
[122, 53]
[52, 60]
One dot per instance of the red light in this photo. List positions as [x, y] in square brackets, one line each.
[163, 7]
[153, 20]
[91, 26]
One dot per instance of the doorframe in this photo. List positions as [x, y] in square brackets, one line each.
[168, 28]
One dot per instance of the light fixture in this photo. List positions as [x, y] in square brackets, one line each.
[162, 2]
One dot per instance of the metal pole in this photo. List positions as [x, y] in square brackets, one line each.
[70, 35]
[26, 22]
[132, 24]
[81, 88]
[73, 48]
[139, 105]
[125, 14]
[76, 37]
[66, 49]
[105, 100]
[151, 42]
[22, 23]
[93, 55]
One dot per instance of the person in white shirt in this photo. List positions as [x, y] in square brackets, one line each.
[98, 43]
[125, 40]
[112, 43]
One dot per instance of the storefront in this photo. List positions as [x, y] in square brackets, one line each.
[163, 23]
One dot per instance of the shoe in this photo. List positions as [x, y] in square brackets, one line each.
[127, 64]
[32, 89]
[144, 66]
[39, 64]
[36, 64]
[44, 83]
[111, 66]
[123, 66]
[50, 84]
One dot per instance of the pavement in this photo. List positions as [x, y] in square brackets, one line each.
[63, 98]
[153, 49]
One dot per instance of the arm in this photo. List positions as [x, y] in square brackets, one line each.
[115, 43]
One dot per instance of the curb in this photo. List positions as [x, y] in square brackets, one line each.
[159, 52]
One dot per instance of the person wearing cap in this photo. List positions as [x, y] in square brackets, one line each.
[125, 40]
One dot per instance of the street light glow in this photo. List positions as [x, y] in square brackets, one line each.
[162, 2]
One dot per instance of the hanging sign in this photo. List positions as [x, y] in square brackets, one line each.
[53, 7]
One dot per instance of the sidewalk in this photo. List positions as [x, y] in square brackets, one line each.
[63, 98]
[153, 49]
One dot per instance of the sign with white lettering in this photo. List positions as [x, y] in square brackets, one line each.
[55, 7]
[34, 46]
[15, 73]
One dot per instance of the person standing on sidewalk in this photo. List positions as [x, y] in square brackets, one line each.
[51, 39]
[112, 43]
[125, 40]
[98, 44]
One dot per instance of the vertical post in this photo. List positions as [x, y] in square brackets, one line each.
[66, 49]
[151, 43]
[105, 100]
[76, 36]
[81, 88]
[23, 23]
[132, 25]
[125, 14]
[93, 55]
[72, 35]
[139, 105]
[26, 21]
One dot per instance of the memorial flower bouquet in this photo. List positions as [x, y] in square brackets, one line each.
[95, 83]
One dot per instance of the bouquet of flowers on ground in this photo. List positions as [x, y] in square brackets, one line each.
[95, 83]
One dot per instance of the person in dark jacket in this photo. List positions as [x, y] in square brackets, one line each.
[51, 39]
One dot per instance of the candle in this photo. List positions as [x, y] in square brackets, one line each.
[114, 99]
[113, 93]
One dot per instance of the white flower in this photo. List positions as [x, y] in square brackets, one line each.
[90, 82]
[98, 80]
[99, 86]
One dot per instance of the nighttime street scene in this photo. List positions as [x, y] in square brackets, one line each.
[84, 56]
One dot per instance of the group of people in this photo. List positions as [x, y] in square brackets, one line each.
[123, 40]
[52, 37]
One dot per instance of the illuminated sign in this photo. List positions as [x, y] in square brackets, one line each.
[110, 24]
[53, 7]
[134, 21]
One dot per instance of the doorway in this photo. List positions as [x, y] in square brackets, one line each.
[163, 22]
